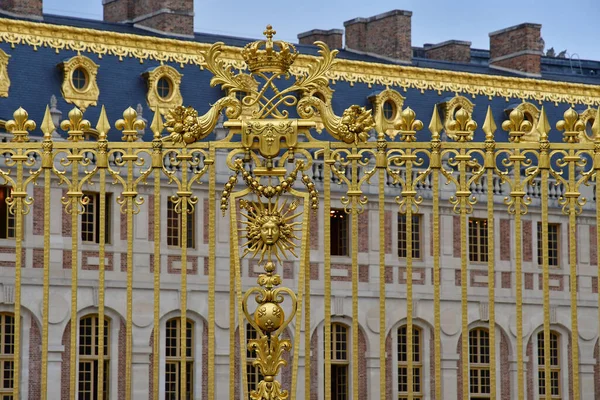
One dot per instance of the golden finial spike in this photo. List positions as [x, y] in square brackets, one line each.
[543, 126]
[489, 125]
[47, 126]
[157, 124]
[596, 125]
[435, 126]
[103, 125]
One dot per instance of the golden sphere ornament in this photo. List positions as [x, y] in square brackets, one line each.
[269, 317]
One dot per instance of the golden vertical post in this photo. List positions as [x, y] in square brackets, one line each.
[307, 349]
[17, 196]
[462, 159]
[408, 196]
[102, 164]
[382, 296]
[184, 157]
[47, 164]
[435, 127]
[327, 267]
[489, 127]
[157, 165]
[354, 248]
[544, 167]
[596, 166]
[211, 273]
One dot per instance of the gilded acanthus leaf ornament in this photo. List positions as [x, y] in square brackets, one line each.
[352, 127]
[185, 126]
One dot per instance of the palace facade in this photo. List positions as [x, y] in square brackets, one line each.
[463, 273]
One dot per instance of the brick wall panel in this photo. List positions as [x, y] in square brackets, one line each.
[35, 362]
[314, 228]
[192, 265]
[506, 280]
[527, 241]
[38, 258]
[505, 240]
[388, 232]
[66, 218]
[363, 232]
[65, 363]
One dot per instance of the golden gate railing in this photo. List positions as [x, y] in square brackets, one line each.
[259, 161]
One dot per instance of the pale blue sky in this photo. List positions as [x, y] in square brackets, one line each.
[566, 25]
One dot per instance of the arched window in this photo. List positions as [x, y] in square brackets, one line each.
[417, 358]
[174, 356]
[479, 363]
[554, 365]
[89, 358]
[340, 361]
[7, 355]
[252, 372]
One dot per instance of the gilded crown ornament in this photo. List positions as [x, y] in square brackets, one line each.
[268, 55]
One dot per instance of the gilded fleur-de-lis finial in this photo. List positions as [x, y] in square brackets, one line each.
[130, 125]
[571, 125]
[157, 128]
[20, 126]
[269, 32]
[75, 125]
[516, 125]
[489, 125]
[462, 126]
[408, 125]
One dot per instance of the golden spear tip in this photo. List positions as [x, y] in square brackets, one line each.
[489, 125]
[47, 125]
[543, 126]
[103, 125]
[157, 124]
[435, 126]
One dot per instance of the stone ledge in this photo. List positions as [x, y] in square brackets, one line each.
[515, 27]
[378, 17]
[515, 54]
[320, 32]
[446, 43]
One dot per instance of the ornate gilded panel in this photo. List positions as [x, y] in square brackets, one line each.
[387, 107]
[4, 79]
[163, 88]
[451, 108]
[531, 114]
[79, 82]
[588, 118]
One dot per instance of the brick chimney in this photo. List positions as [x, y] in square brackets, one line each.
[387, 34]
[22, 8]
[518, 48]
[450, 50]
[332, 37]
[171, 17]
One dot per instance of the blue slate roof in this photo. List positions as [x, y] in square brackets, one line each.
[35, 78]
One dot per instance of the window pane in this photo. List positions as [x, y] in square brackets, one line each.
[339, 232]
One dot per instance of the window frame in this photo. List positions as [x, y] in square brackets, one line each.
[539, 357]
[4, 356]
[342, 244]
[480, 366]
[417, 242]
[478, 240]
[176, 360]
[93, 358]
[174, 226]
[94, 200]
[341, 363]
[417, 364]
[6, 217]
[251, 371]
[553, 260]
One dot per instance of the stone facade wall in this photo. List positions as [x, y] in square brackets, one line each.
[167, 16]
[32, 8]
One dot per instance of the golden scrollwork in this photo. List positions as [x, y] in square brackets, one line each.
[4, 79]
[517, 126]
[79, 85]
[170, 96]
[531, 114]
[588, 118]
